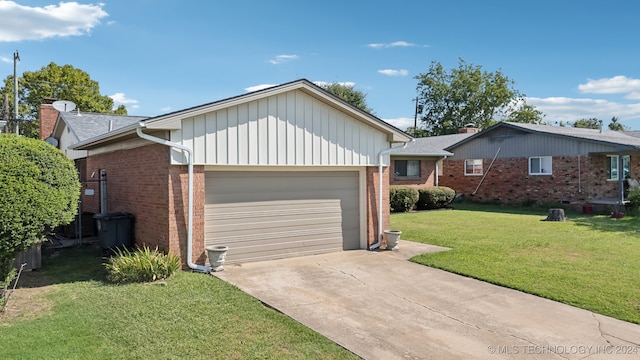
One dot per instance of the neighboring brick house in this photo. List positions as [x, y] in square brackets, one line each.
[524, 163]
[419, 163]
[285, 171]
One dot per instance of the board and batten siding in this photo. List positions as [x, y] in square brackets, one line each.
[68, 138]
[513, 144]
[291, 128]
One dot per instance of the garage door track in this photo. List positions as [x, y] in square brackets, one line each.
[381, 306]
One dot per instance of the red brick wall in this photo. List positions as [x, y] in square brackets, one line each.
[142, 182]
[178, 212]
[47, 115]
[372, 203]
[508, 181]
[427, 175]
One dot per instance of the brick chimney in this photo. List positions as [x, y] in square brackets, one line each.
[47, 116]
[469, 129]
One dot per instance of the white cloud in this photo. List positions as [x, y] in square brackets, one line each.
[283, 59]
[166, 109]
[615, 85]
[566, 109]
[20, 22]
[392, 44]
[391, 72]
[259, 87]
[121, 99]
[401, 123]
[5, 59]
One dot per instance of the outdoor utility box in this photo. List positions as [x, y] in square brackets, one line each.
[115, 230]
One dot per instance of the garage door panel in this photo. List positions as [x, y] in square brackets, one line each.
[261, 254]
[268, 215]
[228, 227]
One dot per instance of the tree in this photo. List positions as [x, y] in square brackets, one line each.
[616, 126]
[454, 98]
[527, 114]
[591, 123]
[39, 190]
[349, 94]
[57, 82]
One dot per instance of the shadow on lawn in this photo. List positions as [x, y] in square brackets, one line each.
[627, 224]
[66, 265]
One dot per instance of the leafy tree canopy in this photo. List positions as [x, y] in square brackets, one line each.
[527, 114]
[616, 126]
[57, 82]
[39, 190]
[451, 99]
[591, 123]
[349, 94]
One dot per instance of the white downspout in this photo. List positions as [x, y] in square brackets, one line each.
[380, 155]
[165, 142]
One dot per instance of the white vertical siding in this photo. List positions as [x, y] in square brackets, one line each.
[67, 138]
[292, 128]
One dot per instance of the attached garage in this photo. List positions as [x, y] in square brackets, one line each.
[285, 171]
[264, 215]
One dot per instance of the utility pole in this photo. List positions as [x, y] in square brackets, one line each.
[16, 58]
[5, 113]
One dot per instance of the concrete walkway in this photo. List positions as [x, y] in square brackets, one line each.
[381, 306]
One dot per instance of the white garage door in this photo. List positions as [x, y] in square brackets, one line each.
[273, 214]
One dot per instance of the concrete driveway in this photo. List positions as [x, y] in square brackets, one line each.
[381, 306]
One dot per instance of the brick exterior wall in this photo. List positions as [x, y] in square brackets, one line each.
[372, 203]
[141, 181]
[427, 175]
[508, 181]
[48, 116]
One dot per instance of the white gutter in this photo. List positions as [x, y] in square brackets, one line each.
[380, 155]
[165, 142]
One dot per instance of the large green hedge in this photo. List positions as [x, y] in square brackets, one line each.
[435, 197]
[39, 191]
[402, 199]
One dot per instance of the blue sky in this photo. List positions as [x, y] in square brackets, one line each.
[573, 59]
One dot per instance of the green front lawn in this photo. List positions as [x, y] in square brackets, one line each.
[592, 262]
[66, 311]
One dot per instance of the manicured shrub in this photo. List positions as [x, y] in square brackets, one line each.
[402, 199]
[141, 265]
[634, 200]
[435, 197]
[39, 190]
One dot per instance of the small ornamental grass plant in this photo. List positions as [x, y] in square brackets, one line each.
[141, 265]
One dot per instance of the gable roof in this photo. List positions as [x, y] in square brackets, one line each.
[89, 125]
[431, 145]
[618, 138]
[173, 120]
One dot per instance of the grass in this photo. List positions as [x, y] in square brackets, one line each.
[591, 262]
[70, 312]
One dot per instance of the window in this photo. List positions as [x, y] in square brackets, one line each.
[540, 165]
[473, 167]
[612, 166]
[407, 168]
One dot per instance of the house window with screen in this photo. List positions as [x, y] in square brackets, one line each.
[407, 168]
[473, 167]
[612, 166]
[540, 165]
